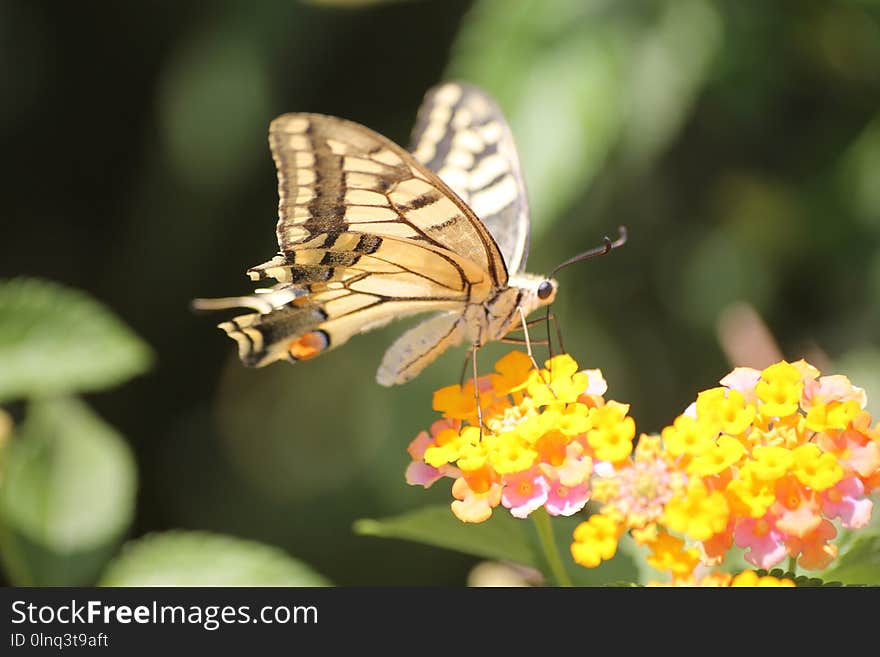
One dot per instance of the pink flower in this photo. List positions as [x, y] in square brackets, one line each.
[797, 511]
[419, 473]
[596, 383]
[854, 450]
[524, 492]
[565, 500]
[835, 387]
[574, 470]
[842, 501]
[763, 540]
[815, 551]
[743, 380]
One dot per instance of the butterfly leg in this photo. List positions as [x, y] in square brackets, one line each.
[521, 341]
[464, 367]
[552, 317]
[525, 328]
[474, 350]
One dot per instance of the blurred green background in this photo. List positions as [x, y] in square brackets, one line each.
[738, 141]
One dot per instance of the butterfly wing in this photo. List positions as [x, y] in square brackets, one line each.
[461, 134]
[419, 347]
[337, 177]
[366, 235]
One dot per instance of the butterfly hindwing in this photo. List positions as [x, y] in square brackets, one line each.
[461, 134]
[418, 347]
[309, 325]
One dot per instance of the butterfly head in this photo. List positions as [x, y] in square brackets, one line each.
[535, 291]
[546, 290]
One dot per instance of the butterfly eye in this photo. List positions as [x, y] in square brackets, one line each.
[545, 289]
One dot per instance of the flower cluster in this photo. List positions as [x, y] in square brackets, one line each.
[541, 432]
[767, 462]
[772, 462]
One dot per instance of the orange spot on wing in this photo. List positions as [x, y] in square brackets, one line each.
[308, 346]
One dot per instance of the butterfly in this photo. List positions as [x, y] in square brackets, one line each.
[369, 232]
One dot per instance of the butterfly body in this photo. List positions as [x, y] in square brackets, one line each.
[369, 233]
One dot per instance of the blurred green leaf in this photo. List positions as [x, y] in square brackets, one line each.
[860, 563]
[350, 3]
[582, 77]
[67, 495]
[56, 340]
[214, 107]
[860, 175]
[191, 558]
[671, 62]
[500, 537]
[564, 67]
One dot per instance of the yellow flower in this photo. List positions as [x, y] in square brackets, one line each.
[699, 513]
[472, 457]
[560, 382]
[573, 420]
[508, 453]
[770, 463]
[612, 433]
[779, 390]
[449, 444]
[456, 402]
[835, 415]
[814, 468]
[668, 553]
[725, 409]
[512, 373]
[726, 452]
[749, 495]
[688, 436]
[751, 578]
[595, 541]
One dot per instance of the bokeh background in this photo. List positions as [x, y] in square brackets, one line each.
[738, 141]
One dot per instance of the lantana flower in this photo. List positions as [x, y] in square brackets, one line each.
[772, 462]
[763, 463]
[542, 432]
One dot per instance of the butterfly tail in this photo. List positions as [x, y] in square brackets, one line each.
[290, 333]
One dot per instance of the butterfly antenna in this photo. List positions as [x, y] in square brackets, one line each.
[608, 246]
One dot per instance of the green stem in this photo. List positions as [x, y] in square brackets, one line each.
[792, 565]
[548, 545]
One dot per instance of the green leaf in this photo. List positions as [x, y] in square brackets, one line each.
[67, 495]
[564, 67]
[860, 564]
[55, 340]
[501, 537]
[585, 79]
[504, 538]
[191, 558]
[214, 100]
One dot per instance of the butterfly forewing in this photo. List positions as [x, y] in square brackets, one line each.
[337, 177]
[461, 134]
